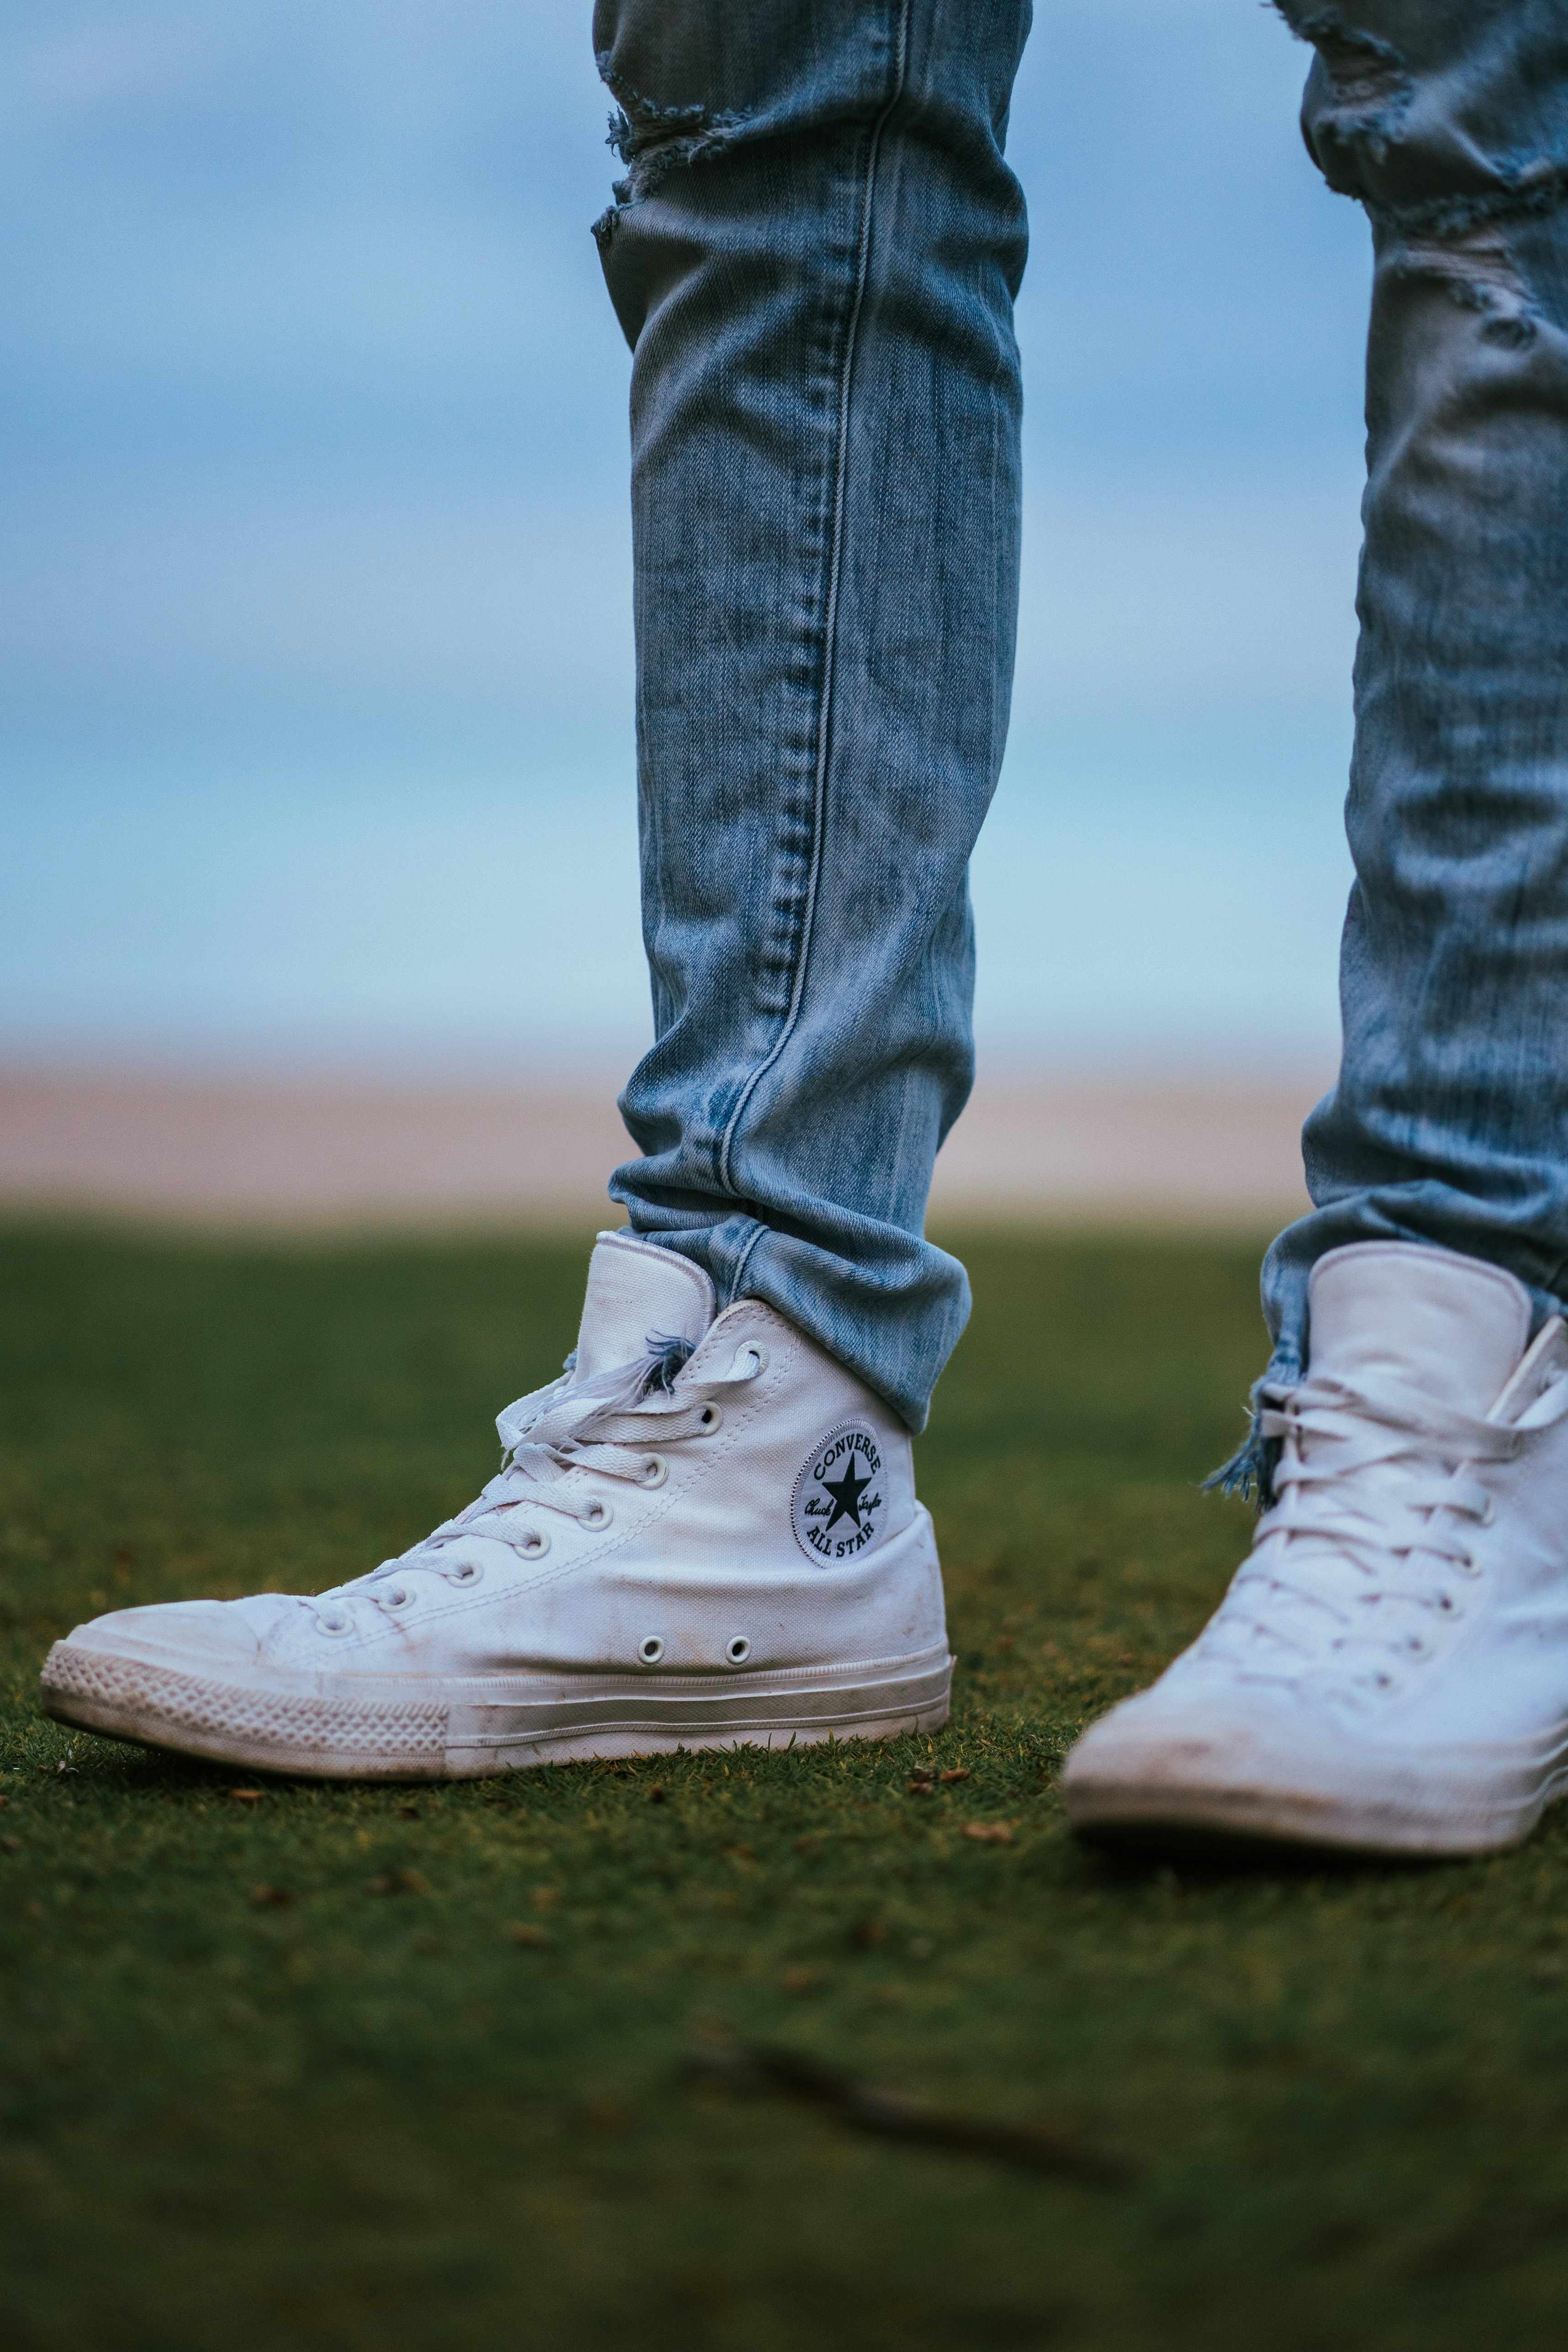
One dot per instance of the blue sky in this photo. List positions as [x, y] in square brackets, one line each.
[315, 655]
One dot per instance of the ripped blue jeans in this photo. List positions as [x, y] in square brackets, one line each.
[814, 254]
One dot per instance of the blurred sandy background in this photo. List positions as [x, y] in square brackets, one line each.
[1181, 1149]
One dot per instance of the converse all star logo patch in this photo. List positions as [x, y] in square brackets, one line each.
[840, 1505]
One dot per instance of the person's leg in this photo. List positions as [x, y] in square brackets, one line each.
[814, 255]
[707, 1532]
[1390, 1668]
[1449, 118]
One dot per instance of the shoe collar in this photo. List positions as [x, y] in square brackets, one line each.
[638, 1293]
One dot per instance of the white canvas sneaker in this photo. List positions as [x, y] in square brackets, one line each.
[1389, 1670]
[704, 1553]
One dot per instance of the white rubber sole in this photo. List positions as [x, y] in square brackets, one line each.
[1396, 1806]
[356, 1728]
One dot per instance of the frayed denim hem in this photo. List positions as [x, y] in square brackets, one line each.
[1250, 1472]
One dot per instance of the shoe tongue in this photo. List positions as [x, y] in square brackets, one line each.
[638, 1292]
[1450, 1326]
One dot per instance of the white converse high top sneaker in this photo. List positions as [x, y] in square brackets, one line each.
[704, 1553]
[1389, 1670]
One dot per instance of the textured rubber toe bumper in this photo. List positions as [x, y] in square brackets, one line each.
[465, 1727]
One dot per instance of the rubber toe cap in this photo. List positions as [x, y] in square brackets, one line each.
[188, 1636]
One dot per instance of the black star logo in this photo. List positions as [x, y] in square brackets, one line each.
[846, 1493]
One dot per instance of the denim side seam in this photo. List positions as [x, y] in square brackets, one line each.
[803, 921]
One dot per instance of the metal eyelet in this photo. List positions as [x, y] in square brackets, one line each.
[656, 1470]
[465, 1572]
[650, 1650]
[597, 1517]
[399, 1596]
[750, 1361]
[1485, 1517]
[738, 1651]
[534, 1544]
[1465, 1561]
[710, 1418]
[335, 1625]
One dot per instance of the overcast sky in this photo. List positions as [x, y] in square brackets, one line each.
[314, 665]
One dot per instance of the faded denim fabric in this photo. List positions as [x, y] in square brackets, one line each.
[1448, 120]
[814, 254]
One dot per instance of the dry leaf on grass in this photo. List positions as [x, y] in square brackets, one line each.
[397, 1882]
[270, 1898]
[989, 1833]
[245, 1796]
[532, 1938]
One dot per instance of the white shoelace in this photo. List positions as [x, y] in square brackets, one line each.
[617, 1425]
[1360, 1567]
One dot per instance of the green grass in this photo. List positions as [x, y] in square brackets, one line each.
[361, 2120]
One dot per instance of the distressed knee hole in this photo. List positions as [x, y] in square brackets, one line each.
[653, 140]
[1362, 115]
[1371, 83]
[1477, 270]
